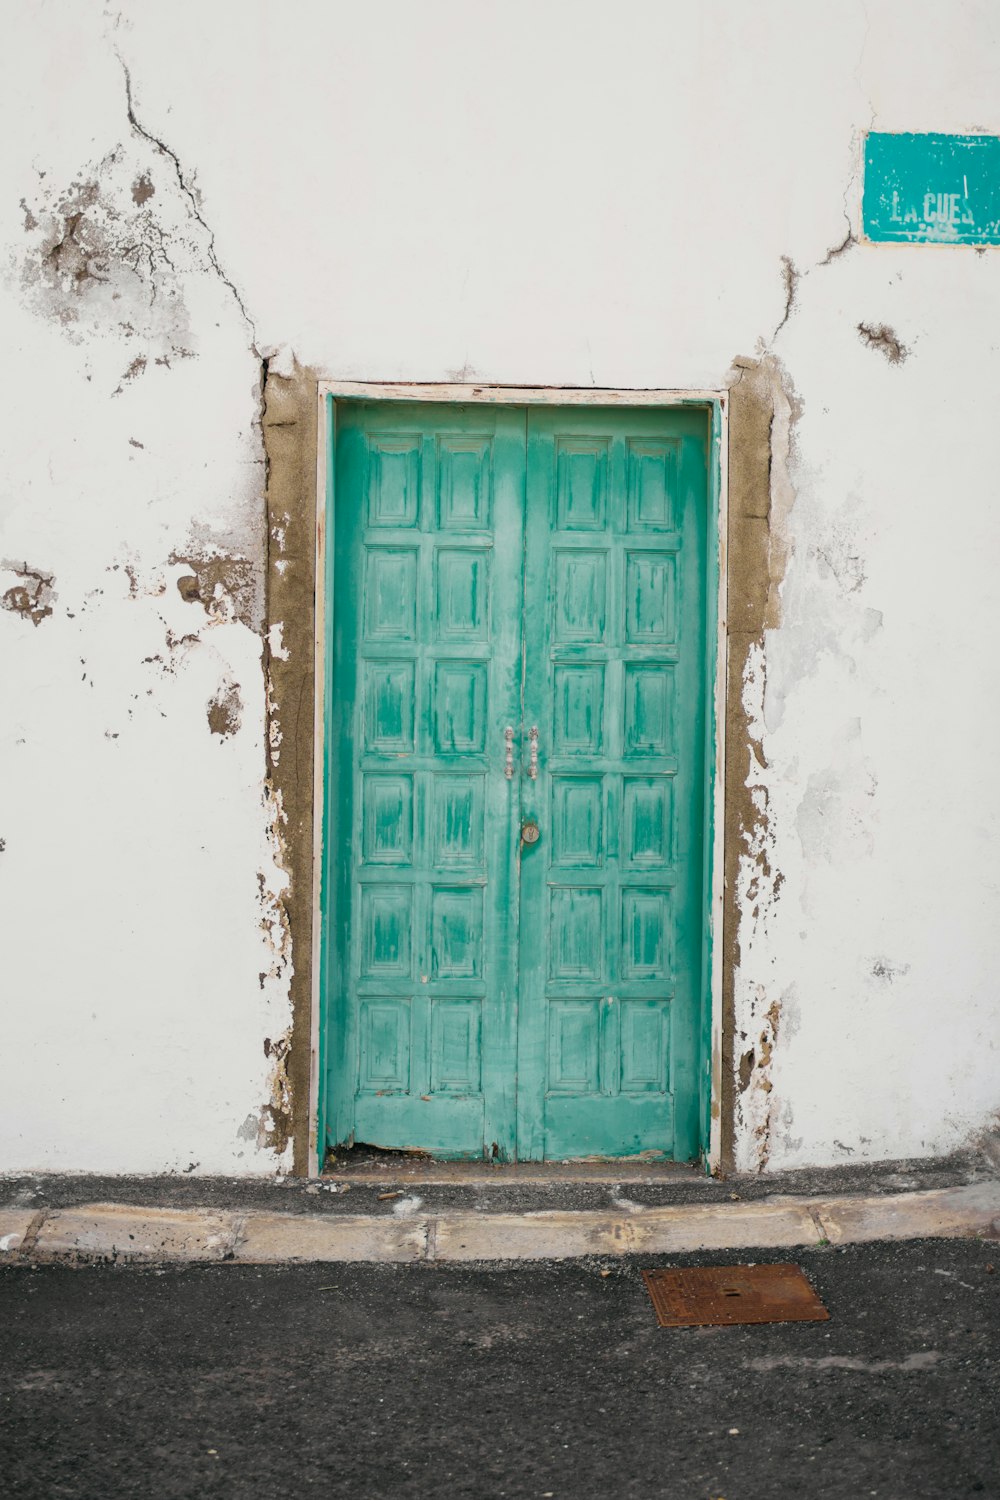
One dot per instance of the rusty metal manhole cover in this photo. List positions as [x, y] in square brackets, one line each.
[699, 1295]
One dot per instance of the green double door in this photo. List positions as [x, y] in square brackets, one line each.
[515, 892]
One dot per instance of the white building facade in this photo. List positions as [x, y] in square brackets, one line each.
[210, 215]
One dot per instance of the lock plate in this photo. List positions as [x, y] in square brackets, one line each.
[530, 832]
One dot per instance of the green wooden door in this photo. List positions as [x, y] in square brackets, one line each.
[612, 898]
[518, 637]
[427, 652]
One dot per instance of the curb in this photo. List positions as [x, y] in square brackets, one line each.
[123, 1233]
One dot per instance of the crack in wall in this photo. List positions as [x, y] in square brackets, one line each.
[190, 194]
[99, 265]
[885, 340]
[229, 585]
[835, 251]
[790, 276]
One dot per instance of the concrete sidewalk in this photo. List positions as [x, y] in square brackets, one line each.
[402, 1212]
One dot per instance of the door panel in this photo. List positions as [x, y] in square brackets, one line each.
[612, 894]
[510, 567]
[427, 591]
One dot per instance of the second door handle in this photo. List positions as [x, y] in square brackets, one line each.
[508, 758]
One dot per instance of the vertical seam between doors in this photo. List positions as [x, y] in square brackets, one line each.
[519, 791]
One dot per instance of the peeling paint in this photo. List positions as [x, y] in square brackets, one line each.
[275, 641]
[226, 587]
[98, 262]
[824, 615]
[134, 370]
[288, 424]
[757, 1106]
[225, 711]
[110, 254]
[273, 916]
[275, 1129]
[763, 412]
[832, 818]
[34, 597]
[837, 556]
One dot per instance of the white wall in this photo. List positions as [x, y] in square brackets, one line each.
[573, 193]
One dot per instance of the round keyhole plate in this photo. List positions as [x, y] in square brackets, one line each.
[530, 833]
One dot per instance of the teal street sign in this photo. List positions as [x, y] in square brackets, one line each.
[932, 189]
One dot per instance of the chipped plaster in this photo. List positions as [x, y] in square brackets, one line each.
[33, 596]
[225, 710]
[763, 409]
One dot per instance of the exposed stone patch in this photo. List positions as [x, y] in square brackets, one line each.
[193, 200]
[831, 821]
[763, 412]
[289, 430]
[34, 597]
[225, 710]
[883, 338]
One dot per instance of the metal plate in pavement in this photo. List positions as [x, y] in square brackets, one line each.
[695, 1296]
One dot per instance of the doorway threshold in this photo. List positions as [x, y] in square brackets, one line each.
[364, 1166]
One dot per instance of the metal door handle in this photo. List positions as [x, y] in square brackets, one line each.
[508, 760]
[533, 753]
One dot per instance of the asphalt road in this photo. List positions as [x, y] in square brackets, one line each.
[522, 1381]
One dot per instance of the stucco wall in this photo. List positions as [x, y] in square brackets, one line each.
[627, 195]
